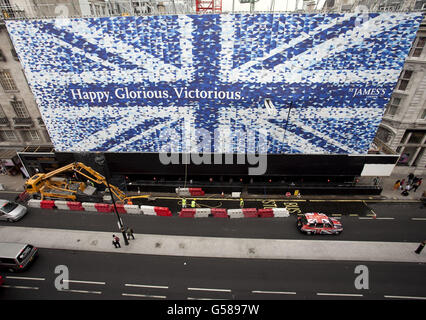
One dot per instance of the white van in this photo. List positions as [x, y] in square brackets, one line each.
[16, 256]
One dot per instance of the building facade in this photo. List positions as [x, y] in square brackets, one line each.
[21, 125]
[403, 127]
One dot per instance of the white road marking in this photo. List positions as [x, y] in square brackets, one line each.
[339, 294]
[192, 298]
[365, 218]
[80, 291]
[209, 289]
[81, 281]
[19, 287]
[418, 219]
[406, 297]
[142, 296]
[384, 218]
[274, 292]
[25, 278]
[145, 286]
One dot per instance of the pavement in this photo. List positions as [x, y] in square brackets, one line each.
[16, 183]
[218, 247]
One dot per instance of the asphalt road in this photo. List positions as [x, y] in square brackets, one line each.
[126, 276]
[399, 222]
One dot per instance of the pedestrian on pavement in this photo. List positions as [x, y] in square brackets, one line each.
[241, 203]
[417, 184]
[116, 241]
[408, 187]
[397, 185]
[129, 232]
[420, 247]
[376, 181]
[410, 178]
[183, 203]
[193, 203]
[402, 184]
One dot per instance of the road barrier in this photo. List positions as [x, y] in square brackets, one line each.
[47, 204]
[183, 192]
[89, 206]
[103, 207]
[196, 192]
[266, 213]
[61, 205]
[219, 213]
[280, 212]
[250, 212]
[202, 212]
[33, 203]
[132, 209]
[187, 213]
[235, 213]
[75, 206]
[160, 211]
[148, 210]
[163, 211]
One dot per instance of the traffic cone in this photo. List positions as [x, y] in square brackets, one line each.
[222, 194]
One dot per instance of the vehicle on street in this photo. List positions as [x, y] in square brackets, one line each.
[16, 256]
[11, 211]
[1, 280]
[318, 223]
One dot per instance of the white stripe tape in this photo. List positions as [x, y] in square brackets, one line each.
[274, 292]
[87, 282]
[406, 297]
[142, 296]
[25, 278]
[145, 286]
[209, 289]
[339, 294]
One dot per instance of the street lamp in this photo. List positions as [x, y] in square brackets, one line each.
[100, 160]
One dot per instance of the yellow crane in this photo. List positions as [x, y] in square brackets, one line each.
[49, 185]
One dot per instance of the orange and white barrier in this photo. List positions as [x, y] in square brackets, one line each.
[33, 203]
[280, 212]
[89, 206]
[61, 205]
[202, 212]
[132, 209]
[235, 213]
[148, 210]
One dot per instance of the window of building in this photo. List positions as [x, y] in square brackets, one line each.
[416, 137]
[8, 135]
[404, 79]
[393, 106]
[20, 109]
[7, 81]
[419, 157]
[31, 135]
[423, 116]
[384, 134]
[418, 47]
[2, 115]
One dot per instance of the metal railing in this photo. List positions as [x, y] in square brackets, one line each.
[100, 8]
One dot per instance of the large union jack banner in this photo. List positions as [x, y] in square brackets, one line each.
[315, 83]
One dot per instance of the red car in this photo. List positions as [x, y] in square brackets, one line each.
[1, 280]
[318, 223]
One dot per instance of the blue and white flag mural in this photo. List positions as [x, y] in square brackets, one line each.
[115, 84]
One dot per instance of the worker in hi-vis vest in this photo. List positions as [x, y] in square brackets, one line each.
[183, 203]
[241, 203]
[193, 203]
